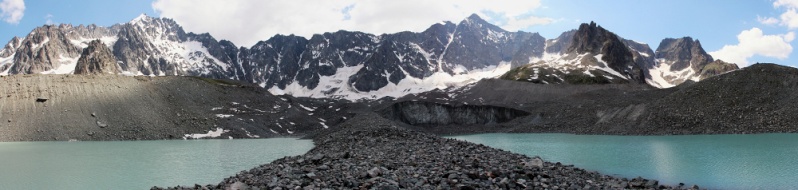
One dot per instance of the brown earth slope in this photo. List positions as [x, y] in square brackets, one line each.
[113, 107]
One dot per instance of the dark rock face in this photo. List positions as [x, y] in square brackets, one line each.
[717, 67]
[685, 52]
[591, 38]
[643, 55]
[97, 59]
[276, 60]
[42, 50]
[427, 113]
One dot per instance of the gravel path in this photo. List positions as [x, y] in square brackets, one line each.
[372, 153]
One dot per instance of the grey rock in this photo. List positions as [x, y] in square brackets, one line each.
[97, 58]
[101, 124]
[239, 186]
[534, 162]
[374, 172]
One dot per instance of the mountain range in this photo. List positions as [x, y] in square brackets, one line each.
[355, 65]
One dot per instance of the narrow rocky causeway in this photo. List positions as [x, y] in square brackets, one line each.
[369, 152]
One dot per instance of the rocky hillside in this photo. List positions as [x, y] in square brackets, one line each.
[755, 99]
[115, 107]
[96, 59]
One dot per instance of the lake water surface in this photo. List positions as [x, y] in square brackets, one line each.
[135, 164]
[760, 161]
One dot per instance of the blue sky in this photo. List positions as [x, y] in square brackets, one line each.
[765, 26]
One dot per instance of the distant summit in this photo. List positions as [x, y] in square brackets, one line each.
[97, 58]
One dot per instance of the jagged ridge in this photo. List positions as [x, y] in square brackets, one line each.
[343, 64]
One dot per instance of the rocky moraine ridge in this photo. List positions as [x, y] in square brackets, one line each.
[369, 153]
[755, 99]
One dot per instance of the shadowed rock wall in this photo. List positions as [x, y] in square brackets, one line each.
[427, 113]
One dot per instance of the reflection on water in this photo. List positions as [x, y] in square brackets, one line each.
[761, 161]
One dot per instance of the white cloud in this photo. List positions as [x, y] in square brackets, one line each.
[49, 18]
[11, 11]
[786, 3]
[767, 20]
[790, 19]
[754, 42]
[247, 21]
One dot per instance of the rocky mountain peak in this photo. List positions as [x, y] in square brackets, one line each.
[561, 43]
[474, 19]
[97, 58]
[595, 40]
[716, 67]
[10, 48]
[474, 22]
[685, 52]
[42, 50]
[592, 38]
[682, 59]
[142, 18]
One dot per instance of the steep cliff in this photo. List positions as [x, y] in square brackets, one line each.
[97, 59]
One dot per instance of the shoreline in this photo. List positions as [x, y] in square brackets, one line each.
[375, 153]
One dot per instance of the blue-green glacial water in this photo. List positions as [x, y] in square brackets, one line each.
[759, 161]
[135, 164]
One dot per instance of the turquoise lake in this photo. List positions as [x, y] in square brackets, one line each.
[135, 164]
[758, 161]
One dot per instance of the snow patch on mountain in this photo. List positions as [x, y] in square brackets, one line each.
[606, 69]
[336, 86]
[6, 62]
[198, 57]
[661, 74]
[84, 42]
[67, 65]
[566, 63]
